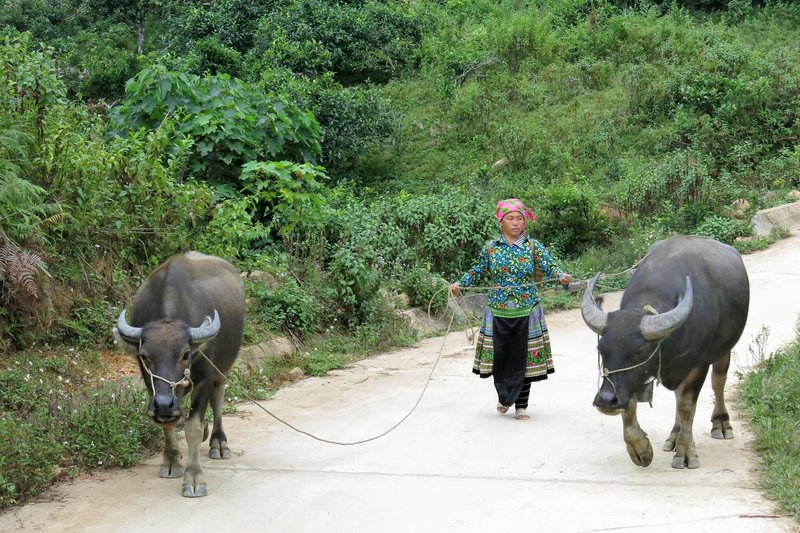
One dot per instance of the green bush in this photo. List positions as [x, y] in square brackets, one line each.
[355, 284]
[29, 462]
[425, 288]
[285, 195]
[569, 219]
[722, 228]
[223, 123]
[770, 395]
[50, 428]
[306, 57]
[288, 306]
[231, 23]
[365, 40]
[523, 37]
[212, 57]
[353, 121]
[108, 427]
[99, 61]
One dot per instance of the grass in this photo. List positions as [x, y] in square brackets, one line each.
[748, 246]
[770, 395]
[63, 412]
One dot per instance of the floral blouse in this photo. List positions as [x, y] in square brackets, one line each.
[509, 266]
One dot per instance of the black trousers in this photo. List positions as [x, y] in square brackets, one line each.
[510, 340]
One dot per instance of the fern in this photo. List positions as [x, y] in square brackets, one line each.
[19, 270]
[24, 213]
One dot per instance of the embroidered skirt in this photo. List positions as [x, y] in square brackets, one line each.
[539, 356]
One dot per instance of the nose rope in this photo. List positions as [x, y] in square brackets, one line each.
[603, 372]
[187, 380]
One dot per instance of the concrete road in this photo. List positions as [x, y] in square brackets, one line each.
[455, 464]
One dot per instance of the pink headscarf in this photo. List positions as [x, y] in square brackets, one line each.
[510, 205]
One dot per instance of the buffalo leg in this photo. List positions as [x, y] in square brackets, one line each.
[171, 466]
[194, 484]
[669, 444]
[639, 448]
[219, 442]
[720, 420]
[685, 454]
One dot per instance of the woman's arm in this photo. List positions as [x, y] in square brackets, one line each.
[475, 273]
[543, 260]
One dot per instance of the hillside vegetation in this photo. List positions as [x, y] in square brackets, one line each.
[350, 151]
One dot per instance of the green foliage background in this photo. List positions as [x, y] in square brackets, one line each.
[354, 150]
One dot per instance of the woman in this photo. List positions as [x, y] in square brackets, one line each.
[513, 344]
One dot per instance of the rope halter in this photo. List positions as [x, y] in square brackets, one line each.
[187, 380]
[604, 373]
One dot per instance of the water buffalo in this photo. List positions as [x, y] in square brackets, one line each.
[683, 311]
[189, 306]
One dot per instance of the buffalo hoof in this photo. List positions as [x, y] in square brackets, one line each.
[679, 461]
[722, 432]
[189, 491]
[641, 452]
[216, 453]
[669, 444]
[218, 448]
[171, 472]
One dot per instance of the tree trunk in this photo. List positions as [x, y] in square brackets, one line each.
[140, 32]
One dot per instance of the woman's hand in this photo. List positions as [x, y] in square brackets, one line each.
[455, 289]
[565, 279]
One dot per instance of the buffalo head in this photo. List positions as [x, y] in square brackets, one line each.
[628, 345]
[165, 350]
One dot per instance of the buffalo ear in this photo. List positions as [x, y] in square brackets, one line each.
[599, 301]
[129, 347]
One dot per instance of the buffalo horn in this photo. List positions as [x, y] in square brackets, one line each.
[127, 331]
[594, 317]
[659, 326]
[207, 330]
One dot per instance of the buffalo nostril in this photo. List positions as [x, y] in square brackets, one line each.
[165, 405]
[606, 399]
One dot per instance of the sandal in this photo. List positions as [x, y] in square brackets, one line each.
[522, 414]
[502, 409]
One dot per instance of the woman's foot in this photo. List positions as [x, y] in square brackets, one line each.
[502, 409]
[522, 414]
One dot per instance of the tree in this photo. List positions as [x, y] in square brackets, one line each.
[134, 13]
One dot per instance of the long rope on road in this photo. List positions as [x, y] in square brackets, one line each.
[356, 442]
[464, 309]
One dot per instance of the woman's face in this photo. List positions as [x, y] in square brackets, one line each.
[513, 224]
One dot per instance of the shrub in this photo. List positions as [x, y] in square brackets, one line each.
[722, 228]
[425, 288]
[365, 40]
[27, 465]
[108, 427]
[355, 284]
[55, 418]
[569, 219]
[232, 23]
[285, 195]
[224, 123]
[287, 306]
[212, 57]
[98, 62]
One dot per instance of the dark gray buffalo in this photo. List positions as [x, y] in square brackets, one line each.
[190, 306]
[684, 310]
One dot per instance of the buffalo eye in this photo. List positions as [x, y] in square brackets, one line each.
[187, 355]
